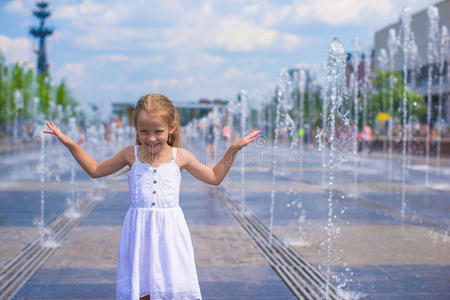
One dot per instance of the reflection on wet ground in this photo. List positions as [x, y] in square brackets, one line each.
[376, 254]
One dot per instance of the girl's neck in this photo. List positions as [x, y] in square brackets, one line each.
[154, 156]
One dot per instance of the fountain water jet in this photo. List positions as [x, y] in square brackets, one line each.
[407, 48]
[366, 80]
[284, 104]
[18, 103]
[320, 139]
[72, 201]
[244, 113]
[443, 54]
[356, 59]
[46, 235]
[415, 64]
[383, 63]
[393, 45]
[336, 63]
[301, 88]
[432, 57]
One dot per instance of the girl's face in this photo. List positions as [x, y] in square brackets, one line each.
[152, 132]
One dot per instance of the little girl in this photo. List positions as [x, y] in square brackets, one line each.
[156, 257]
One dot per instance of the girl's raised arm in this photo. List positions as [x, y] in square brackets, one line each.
[89, 164]
[217, 174]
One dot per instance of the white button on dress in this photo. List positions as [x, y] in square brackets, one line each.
[156, 255]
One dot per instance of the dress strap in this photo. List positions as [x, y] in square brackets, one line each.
[135, 151]
[174, 153]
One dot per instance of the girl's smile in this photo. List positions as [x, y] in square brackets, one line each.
[153, 132]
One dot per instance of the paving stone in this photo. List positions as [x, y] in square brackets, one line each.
[375, 254]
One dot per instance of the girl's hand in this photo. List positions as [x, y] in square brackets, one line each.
[57, 132]
[246, 140]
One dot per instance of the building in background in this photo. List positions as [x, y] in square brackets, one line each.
[191, 111]
[188, 111]
[419, 26]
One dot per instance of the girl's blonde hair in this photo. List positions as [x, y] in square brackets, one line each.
[160, 106]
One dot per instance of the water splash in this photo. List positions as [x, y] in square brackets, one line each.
[284, 103]
[356, 60]
[18, 104]
[244, 113]
[72, 200]
[443, 55]
[432, 58]
[42, 172]
[232, 107]
[366, 79]
[393, 45]
[408, 46]
[301, 88]
[320, 137]
[336, 89]
[383, 62]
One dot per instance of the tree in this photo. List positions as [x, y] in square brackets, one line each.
[44, 93]
[379, 102]
[3, 91]
[18, 77]
[64, 99]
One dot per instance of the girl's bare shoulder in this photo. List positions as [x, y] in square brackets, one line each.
[128, 154]
[183, 157]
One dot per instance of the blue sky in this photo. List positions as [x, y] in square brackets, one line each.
[116, 51]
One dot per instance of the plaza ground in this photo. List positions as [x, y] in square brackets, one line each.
[376, 253]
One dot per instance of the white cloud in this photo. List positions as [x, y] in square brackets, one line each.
[65, 12]
[14, 6]
[244, 75]
[194, 28]
[113, 58]
[130, 62]
[356, 12]
[343, 11]
[197, 61]
[266, 14]
[148, 84]
[17, 49]
[74, 73]
[90, 11]
[233, 73]
[239, 35]
[227, 33]
[192, 45]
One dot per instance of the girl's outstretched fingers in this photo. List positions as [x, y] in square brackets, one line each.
[247, 139]
[53, 129]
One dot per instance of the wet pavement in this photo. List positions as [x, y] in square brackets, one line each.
[375, 254]
[84, 267]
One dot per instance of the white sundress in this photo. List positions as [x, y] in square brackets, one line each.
[156, 255]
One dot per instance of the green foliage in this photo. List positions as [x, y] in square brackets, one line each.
[44, 93]
[18, 77]
[4, 91]
[312, 107]
[379, 102]
[64, 98]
